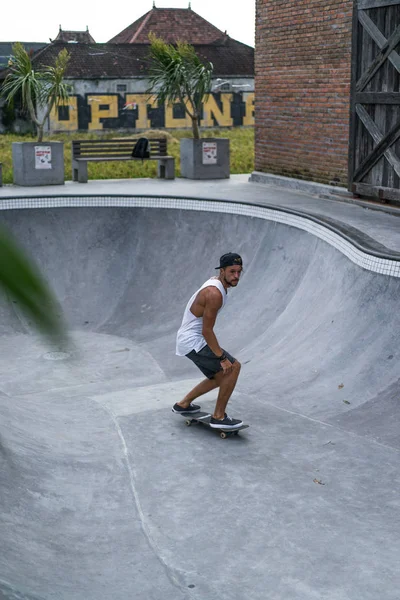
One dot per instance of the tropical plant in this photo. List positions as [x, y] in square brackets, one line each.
[39, 90]
[178, 75]
[21, 280]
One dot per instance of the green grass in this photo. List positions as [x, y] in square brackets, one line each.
[241, 148]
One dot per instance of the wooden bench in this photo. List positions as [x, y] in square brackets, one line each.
[84, 151]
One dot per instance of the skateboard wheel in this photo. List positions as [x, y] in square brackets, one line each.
[188, 422]
[223, 435]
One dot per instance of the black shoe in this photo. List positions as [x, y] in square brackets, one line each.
[192, 408]
[225, 423]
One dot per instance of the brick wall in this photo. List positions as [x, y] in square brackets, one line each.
[302, 63]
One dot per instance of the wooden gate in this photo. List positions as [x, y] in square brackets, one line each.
[374, 152]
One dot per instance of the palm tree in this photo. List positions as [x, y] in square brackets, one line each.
[44, 87]
[21, 280]
[19, 277]
[178, 75]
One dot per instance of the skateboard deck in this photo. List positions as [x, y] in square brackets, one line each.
[204, 418]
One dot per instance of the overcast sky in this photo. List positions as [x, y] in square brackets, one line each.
[28, 21]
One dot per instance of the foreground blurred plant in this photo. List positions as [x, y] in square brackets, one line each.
[20, 279]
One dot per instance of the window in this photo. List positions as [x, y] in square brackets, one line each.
[63, 113]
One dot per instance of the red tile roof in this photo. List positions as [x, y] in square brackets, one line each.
[171, 24]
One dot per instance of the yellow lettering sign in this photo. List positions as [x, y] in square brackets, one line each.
[64, 117]
[248, 118]
[140, 102]
[211, 109]
[172, 123]
[102, 107]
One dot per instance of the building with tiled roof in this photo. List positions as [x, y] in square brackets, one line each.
[80, 37]
[170, 24]
[110, 81]
[94, 61]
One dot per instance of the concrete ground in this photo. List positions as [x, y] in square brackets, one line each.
[105, 493]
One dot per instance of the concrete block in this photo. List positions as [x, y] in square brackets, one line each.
[37, 163]
[309, 187]
[166, 168]
[207, 158]
[80, 171]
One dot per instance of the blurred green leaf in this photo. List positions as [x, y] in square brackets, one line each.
[21, 279]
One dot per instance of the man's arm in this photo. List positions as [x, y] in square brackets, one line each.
[213, 303]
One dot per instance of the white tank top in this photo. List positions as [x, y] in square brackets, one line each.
[190, 336]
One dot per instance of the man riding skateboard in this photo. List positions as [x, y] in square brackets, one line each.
[196, 340]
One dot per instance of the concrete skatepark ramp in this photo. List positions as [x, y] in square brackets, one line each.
[103, 491]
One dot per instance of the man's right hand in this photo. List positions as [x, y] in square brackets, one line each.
[226, 366]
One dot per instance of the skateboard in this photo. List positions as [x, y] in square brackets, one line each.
[204, 418]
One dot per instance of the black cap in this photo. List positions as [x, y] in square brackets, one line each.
[229, 260]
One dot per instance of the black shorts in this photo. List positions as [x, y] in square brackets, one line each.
[208, 362]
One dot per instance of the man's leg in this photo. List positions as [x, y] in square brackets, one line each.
[226, 385]
[202, 388]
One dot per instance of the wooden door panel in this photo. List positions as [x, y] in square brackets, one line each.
[374, 152]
